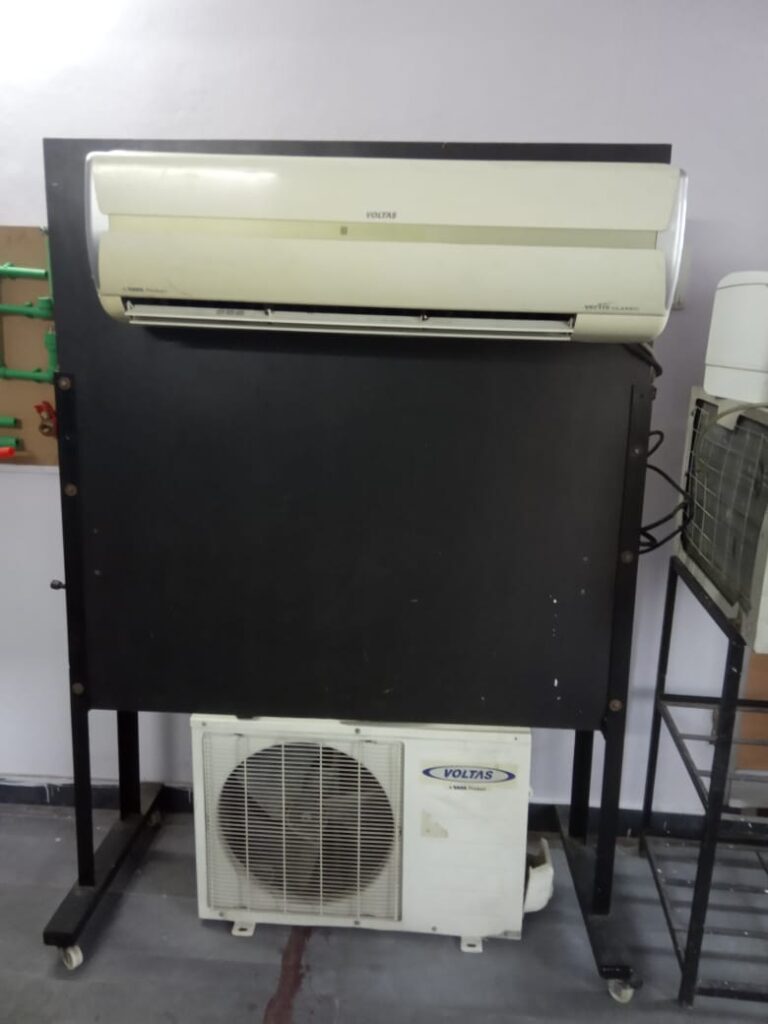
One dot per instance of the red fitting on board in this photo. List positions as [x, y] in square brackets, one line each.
[48, 421]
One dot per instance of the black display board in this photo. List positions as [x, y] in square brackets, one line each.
[369, 528]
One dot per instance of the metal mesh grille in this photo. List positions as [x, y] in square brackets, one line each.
[303, 826]
[728, 490]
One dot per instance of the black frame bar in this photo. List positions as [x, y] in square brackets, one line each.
[581, 780]
[713, 797]
[614, 723]
[592, 863]
[128, 762]
[96, 867]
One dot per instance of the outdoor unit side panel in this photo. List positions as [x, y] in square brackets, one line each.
[464, 839]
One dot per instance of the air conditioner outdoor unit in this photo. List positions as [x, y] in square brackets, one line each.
[516, 249]
[724, 542]
[724, 526]
[410, 828]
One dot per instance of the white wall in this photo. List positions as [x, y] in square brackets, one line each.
[690, 72]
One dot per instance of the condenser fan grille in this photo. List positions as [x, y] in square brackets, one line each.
[728, 497]
[304, 826]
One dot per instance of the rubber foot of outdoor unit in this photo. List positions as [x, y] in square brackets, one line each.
[470, 945]
[243, 930]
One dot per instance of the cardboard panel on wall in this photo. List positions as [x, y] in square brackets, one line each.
[755, 726]
[23, 349]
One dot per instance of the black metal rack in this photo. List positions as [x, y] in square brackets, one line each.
[700, 869]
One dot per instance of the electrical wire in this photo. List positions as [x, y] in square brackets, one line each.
[644, 550]
[644, 353]
[660, 435]
[665, 476]
[648, 540]
[664, 519]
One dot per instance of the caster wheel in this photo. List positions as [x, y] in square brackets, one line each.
[620, 991]
[155, 819]
[71, 957]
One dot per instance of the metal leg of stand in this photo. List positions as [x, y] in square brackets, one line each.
[128, 762]
[81, 758]
[661, 680]
[578, 821]
[614, 723]
[98, 869]
[608, 827]
[717, 792]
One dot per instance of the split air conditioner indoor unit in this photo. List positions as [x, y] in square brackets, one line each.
[409, 828]
[517, 249]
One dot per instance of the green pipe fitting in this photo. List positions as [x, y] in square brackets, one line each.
[48, 271]
[9, 442]
[37, 376]
[40, 309]
[8, 421]
[26, 273]
[49, 340]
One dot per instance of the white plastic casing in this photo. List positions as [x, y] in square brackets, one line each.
[737, 350]
[549, 250]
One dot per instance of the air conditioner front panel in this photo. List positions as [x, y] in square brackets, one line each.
[349, 190]
[496, 279]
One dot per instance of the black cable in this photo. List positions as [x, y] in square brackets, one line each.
[659, 443]
[664, 519]
[648, 541]
[652, 543]
[663, 540]
[643, 352]
[672, 483]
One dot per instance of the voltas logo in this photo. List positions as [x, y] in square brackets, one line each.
[466, 773]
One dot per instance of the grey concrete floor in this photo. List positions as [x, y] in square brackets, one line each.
[152, 960]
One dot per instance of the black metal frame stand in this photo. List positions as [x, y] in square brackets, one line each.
[688, 941]
[591, 864]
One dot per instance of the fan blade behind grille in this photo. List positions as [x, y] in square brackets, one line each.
[307, 820]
